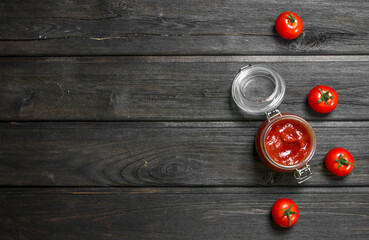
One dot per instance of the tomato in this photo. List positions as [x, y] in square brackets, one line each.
[339, 161]
[285, 212]
[289, 25]
[323, 99]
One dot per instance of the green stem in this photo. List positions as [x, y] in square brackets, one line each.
[288, 214]
[342, 161]
[291, 18]
[325, 96]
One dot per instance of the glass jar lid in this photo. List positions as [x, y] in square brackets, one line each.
[258, 89]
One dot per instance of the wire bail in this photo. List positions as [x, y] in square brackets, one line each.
[273, 114]
[303, 174]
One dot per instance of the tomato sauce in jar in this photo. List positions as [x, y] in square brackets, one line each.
[288, 142]
[285, 142]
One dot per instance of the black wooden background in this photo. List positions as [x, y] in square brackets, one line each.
[117, 120]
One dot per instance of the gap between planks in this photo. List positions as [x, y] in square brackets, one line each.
[194, 58]
[180, 124]
[85, 190]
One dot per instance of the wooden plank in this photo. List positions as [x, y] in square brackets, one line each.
[162, 154]
[159, 213]
[148, 27]
[168, 88]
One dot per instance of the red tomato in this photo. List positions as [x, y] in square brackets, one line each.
[323, 99]
[289, 25]
[339, 161]
[285, 212]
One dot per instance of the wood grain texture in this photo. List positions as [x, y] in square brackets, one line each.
[160, 150]
[168, 88]
[159, 213]
[162, 154]
[149, 27]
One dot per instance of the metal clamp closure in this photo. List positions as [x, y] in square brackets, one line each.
[273, 114]
[303, 174]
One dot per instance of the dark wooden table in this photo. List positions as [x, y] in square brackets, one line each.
[117, 120]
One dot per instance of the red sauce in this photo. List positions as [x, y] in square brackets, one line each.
[288, 142]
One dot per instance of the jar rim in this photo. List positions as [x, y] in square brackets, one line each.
[312, 139]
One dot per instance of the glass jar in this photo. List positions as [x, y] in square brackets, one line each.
[285, 142]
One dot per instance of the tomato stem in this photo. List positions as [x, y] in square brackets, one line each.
[343, 161]
[325, 96]
[291, 18]
[288, 214]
